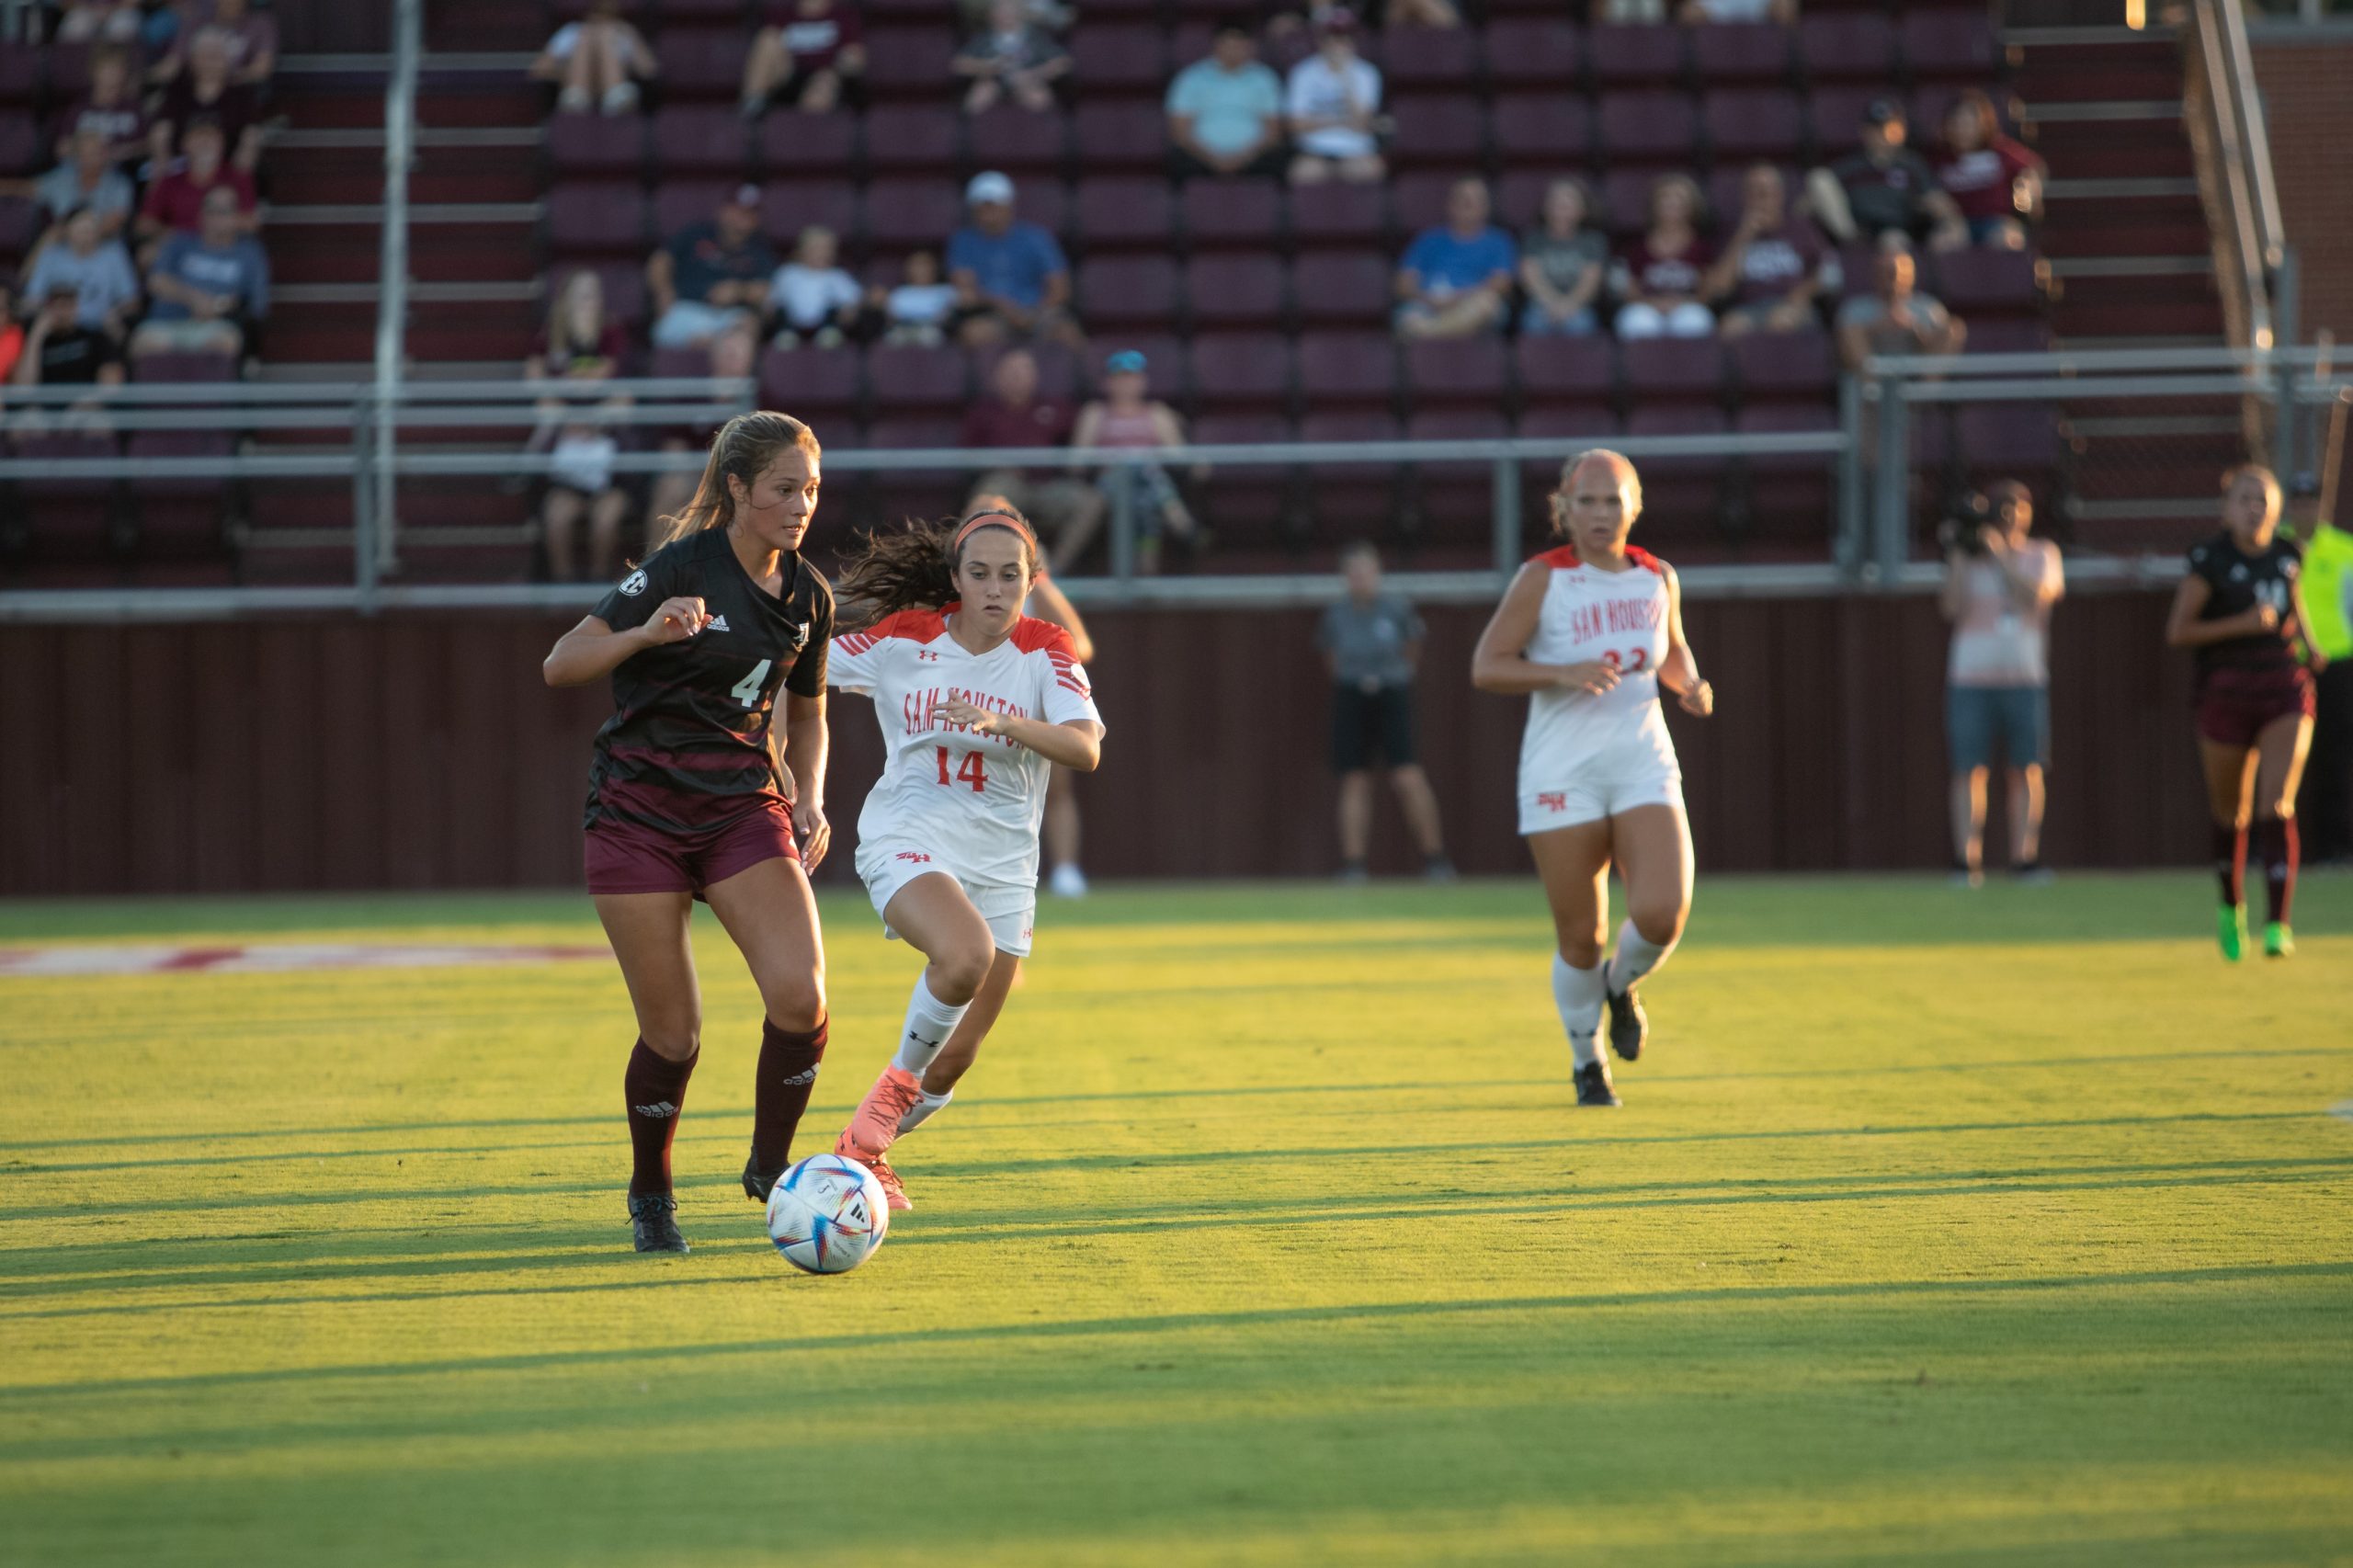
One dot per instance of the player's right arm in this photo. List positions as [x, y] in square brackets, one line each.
[593, 650]
[2184, 630]
[1500, 663]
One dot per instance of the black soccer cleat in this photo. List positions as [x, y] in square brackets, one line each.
[758, 1183]
[1629, 1025]
[1593, 1085]
[650, 1216]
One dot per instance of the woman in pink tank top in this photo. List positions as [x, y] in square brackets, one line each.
[1125, 418]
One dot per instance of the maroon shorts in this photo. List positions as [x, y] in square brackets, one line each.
[2234, 706]
[627, 857]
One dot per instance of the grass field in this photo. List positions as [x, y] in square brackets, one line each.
[1938, 1228]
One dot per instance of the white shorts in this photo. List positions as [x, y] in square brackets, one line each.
[1011, 911]
[1595, 792]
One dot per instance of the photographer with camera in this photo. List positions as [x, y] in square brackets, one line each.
[1999, 587]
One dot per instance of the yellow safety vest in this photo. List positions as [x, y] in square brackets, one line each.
[2329, 563]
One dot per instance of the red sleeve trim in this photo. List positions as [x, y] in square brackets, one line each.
[1032, 635]
[1646, 560]
[915, 625]
[1564, 559]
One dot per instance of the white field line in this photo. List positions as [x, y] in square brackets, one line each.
[273, 959]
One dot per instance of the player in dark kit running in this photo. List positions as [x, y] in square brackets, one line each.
[2241, 609]
[684, 796]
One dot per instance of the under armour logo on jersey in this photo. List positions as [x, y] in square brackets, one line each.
[659, 1112]
[927, 655]
[633, 584]
[918, 858]
[1553, 800]
[719, 623]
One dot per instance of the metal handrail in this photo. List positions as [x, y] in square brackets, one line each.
[2246, 236]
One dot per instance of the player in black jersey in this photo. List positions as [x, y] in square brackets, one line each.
[2241, 609]
[685, 797]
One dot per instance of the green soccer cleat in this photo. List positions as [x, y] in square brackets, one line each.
[2279, 942]
[2230, 925]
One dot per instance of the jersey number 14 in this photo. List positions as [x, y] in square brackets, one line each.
[973, 770]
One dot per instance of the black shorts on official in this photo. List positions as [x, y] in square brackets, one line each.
[1369, 724]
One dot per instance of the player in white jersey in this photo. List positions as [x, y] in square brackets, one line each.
[1591, 632]
[975, 701]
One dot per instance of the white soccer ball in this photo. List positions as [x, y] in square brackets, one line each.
[827, 1215]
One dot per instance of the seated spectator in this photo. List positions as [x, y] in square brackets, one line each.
[1562, 264]
[1885, 193]
[1051, 15]
[111, 108]
[1423, 14]
[1225, 113]
[1456, 278]
[1894, 318]
[1126, 418]
[734, 355]
[1011, 278]
[1776, 265]
[87, 182]
[1013, 58]
[1333, 100]
[59, 351]
[579, 336]
[205, 91]
[1661, 279]
[1698, 13]
[175, 203]
[1995, 183]
[711, 276]
[806, 58]
[596, 61]
[211, 287]
[580, 481]
[814, 300]
[920, 307]
[1013, 414]
[251, 36]
[90, 264]
[99, 21]
[1618, 12]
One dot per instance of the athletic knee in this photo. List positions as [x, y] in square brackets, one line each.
[795, 1002]
[674, 1034]
[1581, 949]
[1661, 924]
[959, 972]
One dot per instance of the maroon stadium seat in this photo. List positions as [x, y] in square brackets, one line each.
[1343, 288]
[923, 493]
[179, 444]
[1014, 139]
[678, 363]
[1240, 369]
[1246, 506]
[1226, 213]
[906, 378]
[1789, 495]
[596, 218]
[677, 203]
[1682, 496]
[1128, 290]
[1626, 200]
[1847, 45]
[2007, 336]
[69, 70]
[596, 144]
[911, 213]
[1339, 368]
[1995, 436]
[1624, 55]
[184, 367]
[1448, 131]
[1534, 51]
[906, 137]
[1428, 59]
[1722, 186]
[21, 152]
[1238, 290]
[1462, 371]
[699, 138]
[1120, 59]
[1124, 211]
[808, 144]
[1337, 216]
[812, 383]
[1948, 44]
[911, 64]
[1858, 263]
[701, 63]
[69, 519]
[1648, 127]
[1548, 131]
[1743, 52]
[1672, 370]
[1749, 123]
[1354, 497]
[624, 290]
[19, 226]
[1999, 282]
[1455, 501]
[1419, 198]
[1117, 136]
[19, 71]
[1784, 366]
[786, 210]
[1836, 116]
[1565, 369]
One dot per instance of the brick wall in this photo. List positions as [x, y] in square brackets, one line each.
[2311, 127]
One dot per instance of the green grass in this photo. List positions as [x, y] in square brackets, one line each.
[1939, 1228]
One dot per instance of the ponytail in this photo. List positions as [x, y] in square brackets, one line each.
[913, 566]
[744, 446]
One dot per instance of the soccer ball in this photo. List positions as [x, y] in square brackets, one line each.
[827, 1215]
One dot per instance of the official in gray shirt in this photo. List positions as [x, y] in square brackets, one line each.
[1371, 641]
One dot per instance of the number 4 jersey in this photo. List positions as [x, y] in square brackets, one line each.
[1577, 740]
[686, 748]
[972, 801]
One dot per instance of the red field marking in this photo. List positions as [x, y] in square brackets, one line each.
[274, 958]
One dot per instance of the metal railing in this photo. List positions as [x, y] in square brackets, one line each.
[2224, 112]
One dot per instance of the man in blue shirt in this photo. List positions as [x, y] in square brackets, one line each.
[1225, 113]
[1456, 278]
[1012, 281]
[209, 287]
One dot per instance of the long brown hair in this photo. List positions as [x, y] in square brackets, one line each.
[913, 566]
[745, 446]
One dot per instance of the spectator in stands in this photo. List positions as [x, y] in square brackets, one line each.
[1333, 100]
[1628, 12]
[1051, 15]
[1562, 261]
[204, 90]
[581, 482]
[1895, 318]
[809, 57]
[1662, 276]
[734, 355]
[250, 36]
[712, 275]
[920, 307]
[1995, 183]
[814, 299]
[87, 182]
[1225, 112]
[1885, 193]
[59, 351]
[1698, 13]
[211, 287]
[176, 203]
[111, 108]
[1127, 418]
[91, 264]
[1456, 277]
[1776, 265]
[2000, 586]
[596, 61]
[1372, 644]
[1011, 278]
[1423, 14]
[99, 21]
[579, 336]
[1012, 58]
[1013, 414]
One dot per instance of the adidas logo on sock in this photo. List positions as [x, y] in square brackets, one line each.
[662, 1109]
[807, 1075]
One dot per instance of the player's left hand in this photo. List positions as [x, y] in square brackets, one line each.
[979, 720]
[812, 831]
[1698, 700]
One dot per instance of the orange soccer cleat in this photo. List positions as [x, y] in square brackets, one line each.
[875, 1125]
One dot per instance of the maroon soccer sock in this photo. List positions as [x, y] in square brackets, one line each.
[788, 1071]
[2278, 847]
[655, 1089]
[2230, 864]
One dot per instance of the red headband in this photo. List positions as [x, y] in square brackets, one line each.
[990, 519]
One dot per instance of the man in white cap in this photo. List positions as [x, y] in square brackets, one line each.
[712, 277]
[1012, 280]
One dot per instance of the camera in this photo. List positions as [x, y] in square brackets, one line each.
[1964, 525]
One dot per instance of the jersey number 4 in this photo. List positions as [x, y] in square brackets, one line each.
[747, 690]
[973, 770]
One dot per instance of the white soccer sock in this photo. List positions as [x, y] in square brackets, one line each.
[1578, 994]
[929, 1023]
[1637, 955]
[921, 1111]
